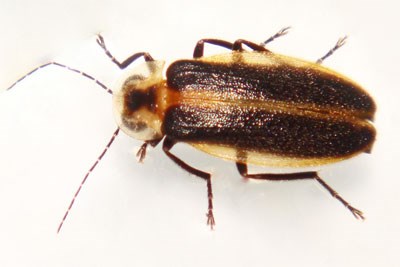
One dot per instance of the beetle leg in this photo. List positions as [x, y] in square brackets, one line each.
[280, 33]
[237, 46]
[199, 48]
[126, 62]
[167, 146]
[242, 168]
[338, 44]
[141, 154]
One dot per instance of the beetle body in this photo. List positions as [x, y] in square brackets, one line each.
[250, 107]
[279, 111]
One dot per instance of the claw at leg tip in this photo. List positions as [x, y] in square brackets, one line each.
[210, 220]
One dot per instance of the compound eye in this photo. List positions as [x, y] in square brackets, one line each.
[134, 125]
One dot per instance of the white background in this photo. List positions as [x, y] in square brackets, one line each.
[55, 123]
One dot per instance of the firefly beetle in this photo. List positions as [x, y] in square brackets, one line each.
[248, 106]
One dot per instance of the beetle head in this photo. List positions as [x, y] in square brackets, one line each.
[135, 101]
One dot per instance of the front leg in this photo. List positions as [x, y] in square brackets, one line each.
[126, 62]
[141, 154]
[167, 146]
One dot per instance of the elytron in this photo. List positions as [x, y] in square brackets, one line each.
[250, 106]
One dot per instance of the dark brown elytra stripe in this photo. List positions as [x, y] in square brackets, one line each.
[258, 130]
[284, 83]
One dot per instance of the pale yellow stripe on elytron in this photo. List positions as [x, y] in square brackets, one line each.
[265, 159]
[208, 102]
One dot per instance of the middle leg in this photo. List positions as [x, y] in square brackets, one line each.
[167, 146]
[237, 45]
[338, 44]
[199, 48]
[280, 33]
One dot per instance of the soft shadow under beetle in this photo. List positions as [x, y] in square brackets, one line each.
[249, 106]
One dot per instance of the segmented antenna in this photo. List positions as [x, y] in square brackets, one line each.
[108, 90]
[84, 74]
[86, 176]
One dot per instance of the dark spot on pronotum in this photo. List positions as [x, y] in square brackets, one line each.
[137, 99]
